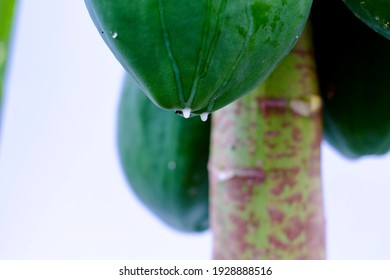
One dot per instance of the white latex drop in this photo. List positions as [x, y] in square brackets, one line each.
[115, 35]
[186, 113]
[204, 116]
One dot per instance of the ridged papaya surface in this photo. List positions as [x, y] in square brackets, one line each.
[354, 69]
[375, 13]
[195, 57]
[164, 158]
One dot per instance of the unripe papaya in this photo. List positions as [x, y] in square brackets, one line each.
[164, 158]
[7, 10]
[354, 69]
[375, 13]
[196, 56]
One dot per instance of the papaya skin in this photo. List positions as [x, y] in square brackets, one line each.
[375, 13]
[354, 71]
[164, 158]
[200, 55]
[7, 15]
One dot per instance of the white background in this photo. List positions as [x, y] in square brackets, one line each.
[62, 192]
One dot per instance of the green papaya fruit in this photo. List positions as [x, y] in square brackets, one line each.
[375, 13]
[354, 70]
[164, 158]
[7, 10]
[195, 57]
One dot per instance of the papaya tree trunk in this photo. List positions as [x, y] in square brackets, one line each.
[266, 196]
[7, 8]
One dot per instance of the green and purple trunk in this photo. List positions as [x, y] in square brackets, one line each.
[266, 195]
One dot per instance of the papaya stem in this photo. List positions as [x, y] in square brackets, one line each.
[266, 194]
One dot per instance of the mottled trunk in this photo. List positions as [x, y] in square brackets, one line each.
[266, 196]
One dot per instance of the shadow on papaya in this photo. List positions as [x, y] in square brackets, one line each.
[374, 13]
[164, 158]
[354, 69]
